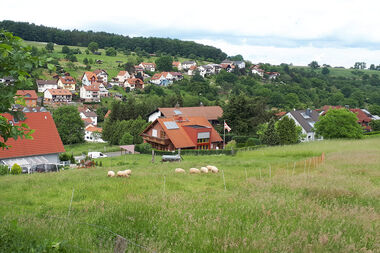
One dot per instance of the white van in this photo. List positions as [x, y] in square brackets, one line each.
[94, 155]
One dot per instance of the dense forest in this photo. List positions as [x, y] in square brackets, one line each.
[151, 45]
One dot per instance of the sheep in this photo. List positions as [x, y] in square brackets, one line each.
[129, 172]
[122, 173]
[213, 169]
[204, 170]
[111, 173]
[194, 171]
[179, 170]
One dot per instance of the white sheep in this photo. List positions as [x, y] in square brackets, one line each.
[122, 173]
[129, 172]
[204, 170]
[179, 170]
[111, 173]
[194, 171]
[213, 169]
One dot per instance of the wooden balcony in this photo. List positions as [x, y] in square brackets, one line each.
[157, 140]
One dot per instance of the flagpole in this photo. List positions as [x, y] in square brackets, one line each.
[224, 134]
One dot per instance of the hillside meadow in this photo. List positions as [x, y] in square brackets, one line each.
[265, 205]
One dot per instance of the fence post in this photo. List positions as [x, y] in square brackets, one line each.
[120, 245]
[294, 166]
[152, 155]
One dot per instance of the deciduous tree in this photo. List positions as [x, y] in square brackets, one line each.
[69, 124]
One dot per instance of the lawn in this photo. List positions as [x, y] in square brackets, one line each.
[84, 148]
[265, 205]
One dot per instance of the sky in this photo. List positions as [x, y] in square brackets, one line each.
[334, 32]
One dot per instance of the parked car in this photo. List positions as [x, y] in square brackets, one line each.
[94, 155]
[47, 167]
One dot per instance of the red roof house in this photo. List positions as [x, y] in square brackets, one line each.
[182, 132]
[30, 97]
[44, 148]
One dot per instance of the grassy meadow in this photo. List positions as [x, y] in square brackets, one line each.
[266, 205]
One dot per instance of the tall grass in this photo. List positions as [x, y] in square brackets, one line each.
[333, 207]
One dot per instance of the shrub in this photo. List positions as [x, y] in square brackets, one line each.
[252, 142]
[144, 148]
[4, 170]
[16, 169]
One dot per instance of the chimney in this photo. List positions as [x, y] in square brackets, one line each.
[177, 105]
[308, 112]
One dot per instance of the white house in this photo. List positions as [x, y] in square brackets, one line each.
[90, 93]
[256, 70]
[239, 64]
[306, 120]
[134, 83]
[46, 84]
[89, 78]
[89, 115]
[122, 76]
[206, 70]
[93, 134]
[57, 96]
[187, 64]
[102, 75]
[148, 66]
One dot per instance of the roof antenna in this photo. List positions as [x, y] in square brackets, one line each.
[177, 105]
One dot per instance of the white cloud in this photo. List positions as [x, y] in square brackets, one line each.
[299, 56]
[313, 29]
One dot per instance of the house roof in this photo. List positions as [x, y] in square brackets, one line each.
[134, 81]
[91, 128]
[90, 75]
[148, 64]
[362, 116]
[67, 79]
[90, 114]
[46, 139]
[156, 76]
[87, 121]
[306, 121]
[122, 73]
[188, 62]
[176, 63]
[193, 67]
[107, 114]
[44, 82]
[209, 112]
[27, 94]
[62, 92]
[98, 71]
[92, 87]
[178, 136]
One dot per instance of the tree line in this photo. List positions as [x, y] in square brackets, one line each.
[151, 45]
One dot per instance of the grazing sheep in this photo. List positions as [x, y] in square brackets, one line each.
[194, 171]
[129, 172]
[213, 169]
[111, 173]
[204, 170]
[122, 173]
[179, 170]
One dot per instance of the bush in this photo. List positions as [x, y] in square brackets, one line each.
[252, 142]
[240, 139]
[144, 148]
[16, 169]
[4, 170]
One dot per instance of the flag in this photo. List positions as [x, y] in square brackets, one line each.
[227, 127]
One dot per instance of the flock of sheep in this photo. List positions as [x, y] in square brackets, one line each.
[207, 169]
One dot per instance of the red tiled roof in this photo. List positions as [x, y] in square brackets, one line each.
[280, 114]
[98, 71]
[107, 114]
[134, 81]
[362, 116]
[67, 79]
[90, 75]
[209, 112]
[46, 139]
[60, 92]
[27, 94]
[193, 67]
[92, 87]
[176, 63]
[148, 64]
[91, 128]
[122, 73]
[156, 76]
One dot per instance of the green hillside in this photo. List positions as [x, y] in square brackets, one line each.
[265, 205]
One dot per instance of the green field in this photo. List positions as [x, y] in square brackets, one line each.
[84, 148]
[109, 64]
[265, 205]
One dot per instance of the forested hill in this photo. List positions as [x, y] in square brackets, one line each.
[151, 45]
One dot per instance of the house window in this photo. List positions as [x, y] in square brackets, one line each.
[154, 133]
[162, 134]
